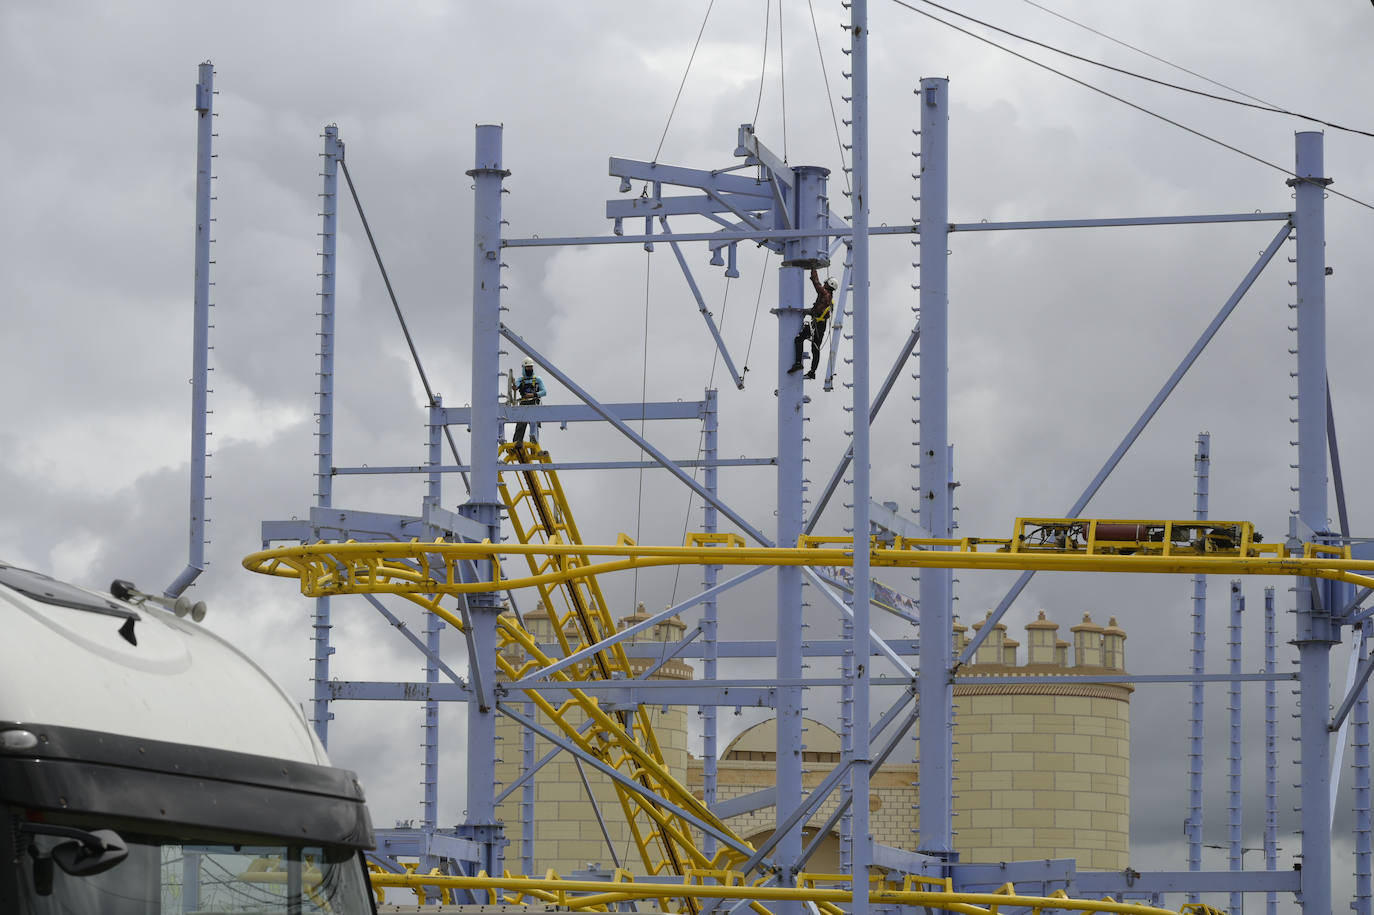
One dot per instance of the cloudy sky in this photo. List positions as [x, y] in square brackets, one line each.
[1058, 339]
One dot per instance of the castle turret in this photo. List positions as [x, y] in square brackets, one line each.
[1087, 643]
[1043, 768]
[1113, 646]
[990, 652]
[1041, 636]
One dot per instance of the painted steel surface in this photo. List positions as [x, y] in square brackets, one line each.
[432, 568]
[624, 740]
[827, 891]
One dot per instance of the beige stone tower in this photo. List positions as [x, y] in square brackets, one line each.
[1043, 769]
[567, 836]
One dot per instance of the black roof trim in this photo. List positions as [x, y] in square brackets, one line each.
[80, 771]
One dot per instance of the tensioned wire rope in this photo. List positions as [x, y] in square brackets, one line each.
[1261, 104]
[410, 340]
[648, 263]
[767, 34]
[715, 355]
[396, 306]
[1141, 108]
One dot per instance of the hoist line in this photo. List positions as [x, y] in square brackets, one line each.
[643, 410]
[749, 347]
[829, 96]
[782, 80]
[701, 436]
[396, 306]
[763, 70]
[683, 84]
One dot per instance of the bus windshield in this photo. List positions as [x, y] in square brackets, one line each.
[164, 876]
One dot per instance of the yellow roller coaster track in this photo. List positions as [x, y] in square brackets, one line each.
[539, 515]
[564, 571]
[432, 568]
[826, 890]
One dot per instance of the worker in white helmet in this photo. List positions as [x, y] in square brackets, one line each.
[813, 327]
[529, 390]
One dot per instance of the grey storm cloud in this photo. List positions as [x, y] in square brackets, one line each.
[1058, 339]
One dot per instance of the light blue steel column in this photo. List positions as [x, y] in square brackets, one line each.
[1233, 785]
[1316, 631]
[527, 794]
[861, 851]
[1271, 746]
[709, 615]
[936, 585]
[434, 494]
[484, 506]
[791, 299]
[848, 667]
[200, 331]
[320, 715]
[1193, 826]
[1360, 743]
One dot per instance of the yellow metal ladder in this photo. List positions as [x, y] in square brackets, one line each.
[539, 514]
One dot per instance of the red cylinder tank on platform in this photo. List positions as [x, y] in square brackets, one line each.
[1133, 532]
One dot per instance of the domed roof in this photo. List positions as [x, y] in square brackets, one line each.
[762, 738]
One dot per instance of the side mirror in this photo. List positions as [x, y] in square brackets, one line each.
[95, 855]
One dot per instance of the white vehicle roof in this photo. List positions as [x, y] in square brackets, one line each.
[70, 666]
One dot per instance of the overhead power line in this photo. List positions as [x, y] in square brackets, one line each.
[1257, 104]
[1116, 98]
[1154, 57]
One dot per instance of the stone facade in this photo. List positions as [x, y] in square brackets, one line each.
[567, 834]
[1042, 770]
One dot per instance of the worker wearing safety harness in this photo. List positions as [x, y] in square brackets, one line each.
[529, 390]
[814, 329]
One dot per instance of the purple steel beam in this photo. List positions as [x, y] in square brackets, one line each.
[200, 331]
[320, 715]
[936, 513]
[485, 506]
[1201, 466]
[1134, 433]
[1316, 631]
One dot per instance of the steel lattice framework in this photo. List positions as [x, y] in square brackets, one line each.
[452, 563]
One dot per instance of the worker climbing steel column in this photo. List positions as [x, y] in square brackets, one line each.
[814, 330]
[529, 391]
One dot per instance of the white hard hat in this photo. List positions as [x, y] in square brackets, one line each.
[528, 363]
[831, 283]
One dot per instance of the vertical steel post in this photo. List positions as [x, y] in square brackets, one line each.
[709, 611]
[429, 779]
[527, 794]
[789, 599]
[200, 331]
[848, 666]
[1316, 631]
[1201, 468]
[861, 765]
[320, 715]
[1233, 798]
[1271, 746]
[936, 516]
[484, 506]
[1360, 743]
